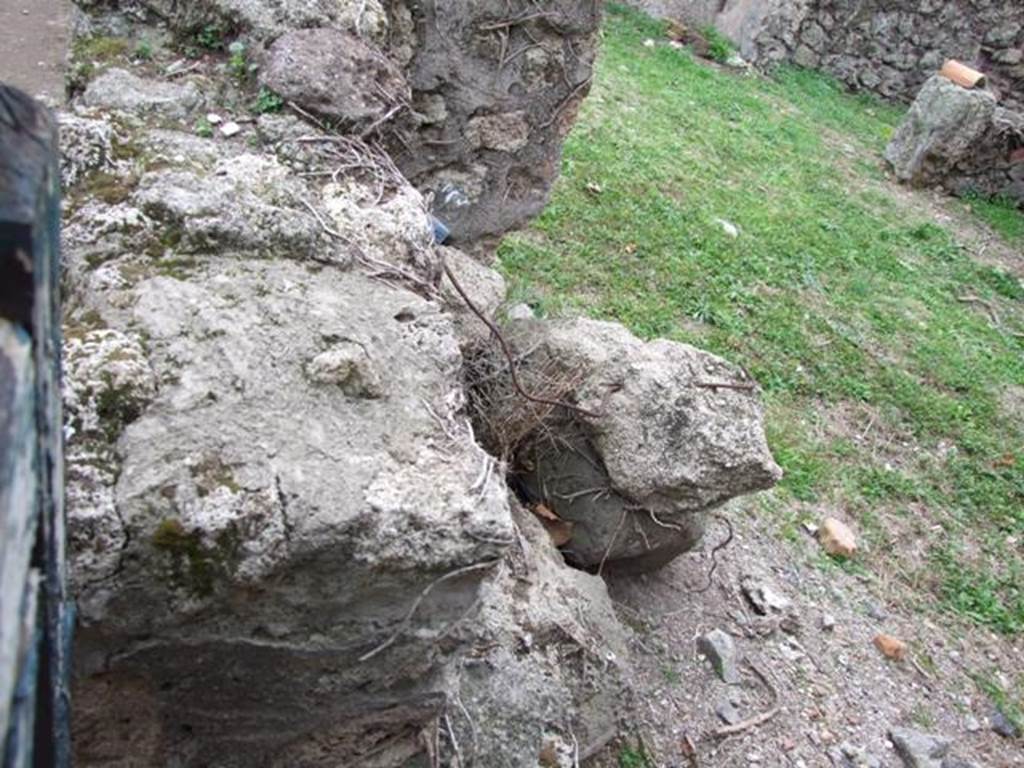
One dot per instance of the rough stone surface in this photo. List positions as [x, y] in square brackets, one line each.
[699, 13]
[85, 145]
[728, 713]
[335, 75]
[960, 139]
[510, 78]
[521, 77]
[836, 538]
[941, 127]
[719, 648]
[245, 203]
[1003, 725]
[391, 231]
[917, 749]
[765, 598]
[890, 48]
[121, 91]
[661, 443]
[847, 755]
[289, 548]
[267, 20]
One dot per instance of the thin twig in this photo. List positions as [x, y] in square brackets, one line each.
[565, 102]
[756, 720]
[714, 553]
[743, 386]
[455, 743]
[472, 729]
[416, 604]
[508, 352]
[689, 750]
[611, 542]
[992, 314]
[714, 562]
[750, 722]
[381, 120]
[504, 23]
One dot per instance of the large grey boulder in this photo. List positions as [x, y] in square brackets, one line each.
[941, 127]
[273, 509]
[286, 545]
[336, 75]
[662, 433]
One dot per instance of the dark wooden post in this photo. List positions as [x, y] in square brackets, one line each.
[35, 616]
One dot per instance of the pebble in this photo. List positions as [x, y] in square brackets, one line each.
[828, 622]
[214, 119]
[876, 612]
[719, 648]
[763, 597]
[648, 43]
[917, 749]
[729, 228]
[728, 713]
[230, 128]
[837, 539]
[972, 724]
[520, 312]
[891, 647]
[1003, 725]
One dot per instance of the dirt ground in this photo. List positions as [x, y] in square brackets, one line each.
[33, 43]
[813, 665]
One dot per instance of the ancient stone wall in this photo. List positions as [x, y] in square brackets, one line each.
[696, 12]
[889, 48]
[287, 546]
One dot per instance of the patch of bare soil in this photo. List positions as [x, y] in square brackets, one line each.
[984, 244]
[33, 46]
[813, 682]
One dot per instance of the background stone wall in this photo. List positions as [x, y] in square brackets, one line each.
[696, 12]
[890, 48]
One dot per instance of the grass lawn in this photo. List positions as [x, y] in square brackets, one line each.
[892, 360]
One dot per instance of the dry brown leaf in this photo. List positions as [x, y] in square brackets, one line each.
[543, 511]
[1004, 461]
[558, 529]
[548, 756]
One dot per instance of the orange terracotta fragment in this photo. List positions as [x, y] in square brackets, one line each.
[962, 75]
[891, 647]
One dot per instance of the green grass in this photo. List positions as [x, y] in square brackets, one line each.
[1002, 215]
[836, 292]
